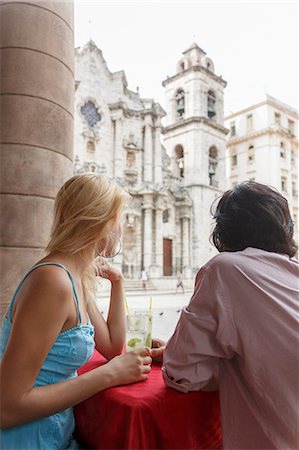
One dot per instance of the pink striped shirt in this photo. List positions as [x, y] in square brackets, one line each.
[243, 319]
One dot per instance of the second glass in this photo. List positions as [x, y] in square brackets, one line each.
[139, 330]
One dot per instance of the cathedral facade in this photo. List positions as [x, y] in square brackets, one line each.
[171, 162]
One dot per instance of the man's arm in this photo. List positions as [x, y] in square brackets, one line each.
[204, 335]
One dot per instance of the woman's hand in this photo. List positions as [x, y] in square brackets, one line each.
[157, 350]
[106, 270]
[130, 367]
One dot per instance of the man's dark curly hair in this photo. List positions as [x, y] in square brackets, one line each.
[253, 215]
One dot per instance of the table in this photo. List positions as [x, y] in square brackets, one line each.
[148, 415]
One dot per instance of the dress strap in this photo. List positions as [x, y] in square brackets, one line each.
[35, 267]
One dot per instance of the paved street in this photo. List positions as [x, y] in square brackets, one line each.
[166, 309]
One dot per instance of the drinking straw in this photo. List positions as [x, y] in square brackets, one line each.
[151, 306]
[128, 311]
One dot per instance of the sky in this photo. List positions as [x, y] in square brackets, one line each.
[254, 45]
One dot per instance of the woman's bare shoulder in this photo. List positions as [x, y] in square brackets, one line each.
[49, 276]
[46, 287]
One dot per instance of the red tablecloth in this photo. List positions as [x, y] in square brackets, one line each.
[148, 415]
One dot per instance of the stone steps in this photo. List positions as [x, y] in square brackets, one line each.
[136, 285]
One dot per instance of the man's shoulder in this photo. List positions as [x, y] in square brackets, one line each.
[237, 258]
[248, 258]
[224, 258]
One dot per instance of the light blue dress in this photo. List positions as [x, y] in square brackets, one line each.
[70, 351]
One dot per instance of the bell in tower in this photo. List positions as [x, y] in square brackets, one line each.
[180, 103]
[211, 104]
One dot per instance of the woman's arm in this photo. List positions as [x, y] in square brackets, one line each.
[110, 336]
[46, 304]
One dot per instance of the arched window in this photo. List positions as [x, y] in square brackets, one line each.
[179, 157]
[166, 216]
[284, 184]
[283, 153]
[234, 158]
[211, 104]
[250, 153]
[180, 103]
[249, 120]
[90, 147]
[209, 64]
[213, 162]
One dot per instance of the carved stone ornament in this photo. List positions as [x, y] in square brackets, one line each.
[89, 166]
[132, 143]
[91, 133]
[135, 205]
[166, 161]
[131, 176]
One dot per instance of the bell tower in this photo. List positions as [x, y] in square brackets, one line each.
[194, 137]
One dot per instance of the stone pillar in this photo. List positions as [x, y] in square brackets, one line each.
[138, 262]
[118, 148]
[158, 152]
[148, 150]
[173, 112]
[185, 246]
[36, 109]
[188, 105]
[159, 241]
[147, 233]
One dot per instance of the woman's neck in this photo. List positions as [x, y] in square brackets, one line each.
[74, 263]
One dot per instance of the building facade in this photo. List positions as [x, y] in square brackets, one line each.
[263, 146]
[119, 134]
[195, 139]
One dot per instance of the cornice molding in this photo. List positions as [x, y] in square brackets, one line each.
[202, 69]
[255, 134]
[196, 119]
[269, 102]
[157, 111]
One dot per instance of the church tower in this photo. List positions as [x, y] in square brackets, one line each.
[194, 137]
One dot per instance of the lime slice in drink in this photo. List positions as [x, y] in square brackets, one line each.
[132, 342]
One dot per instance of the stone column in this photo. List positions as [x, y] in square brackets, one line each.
[148, 150]
[137, 262]
[188, 105]
[147, 232]
[159, 241]
[173, 112]
[118, 148]
[185, 245]
[158, 152]
[36, 135]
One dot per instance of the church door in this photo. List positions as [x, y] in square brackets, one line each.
[167, 257]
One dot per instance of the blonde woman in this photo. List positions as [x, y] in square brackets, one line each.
[52, 323]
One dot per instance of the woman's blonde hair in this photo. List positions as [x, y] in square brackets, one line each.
[86, 210]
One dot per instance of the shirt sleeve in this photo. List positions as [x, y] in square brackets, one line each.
[204, 334]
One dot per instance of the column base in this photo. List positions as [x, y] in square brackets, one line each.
[187, 272]
[155, 272]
